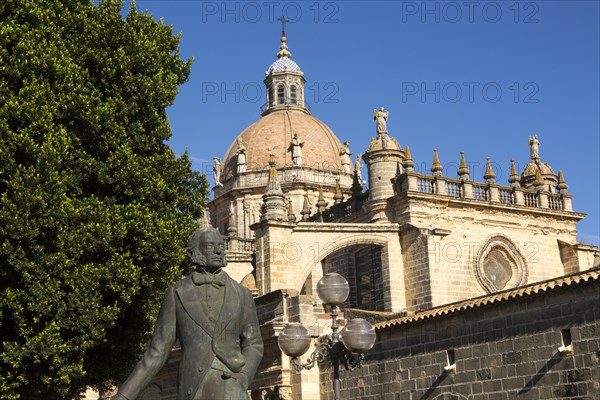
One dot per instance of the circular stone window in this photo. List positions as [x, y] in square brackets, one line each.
[499, 265]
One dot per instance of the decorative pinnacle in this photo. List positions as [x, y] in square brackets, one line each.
[562, 185]
[321, 204]
[291, 215]
[489, 176]
[408, 162]
[283, 52]
[338, 197]
[305, 208]
[356, 187]
[539, 181]
[513, 179]
[436, 167]
[273, 182]
[463, 169]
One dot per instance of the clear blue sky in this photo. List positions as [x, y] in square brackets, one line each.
[478, 77]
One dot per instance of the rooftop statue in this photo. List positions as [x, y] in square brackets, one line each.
[217, 171]
[296, 149]
[241, 156]
[214, 319]
[534, 143]
[380, 116]
[345, 157]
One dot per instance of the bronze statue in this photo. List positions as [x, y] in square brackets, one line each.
[214, 319]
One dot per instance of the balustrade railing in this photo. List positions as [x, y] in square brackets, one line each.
[506, 196]
[453, 189]
[479, 192]
[554, 202]
[426, 185]
[531, 199]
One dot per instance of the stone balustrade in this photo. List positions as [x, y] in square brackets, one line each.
[488, 192]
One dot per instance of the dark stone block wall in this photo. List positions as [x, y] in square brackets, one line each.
[505, 350]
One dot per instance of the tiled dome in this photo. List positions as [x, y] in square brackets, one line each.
[283, 64]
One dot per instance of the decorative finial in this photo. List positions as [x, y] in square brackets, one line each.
[489, 176]
[356, 187]
[562, 185]
[463, 169]
[436, 167]
[283, 52]
[231, 229]
[305, 208]
[408, 162]
[321, 203]
[273, 183]
[338, 196]
[539, 181]
[513, 179]
[291, 215]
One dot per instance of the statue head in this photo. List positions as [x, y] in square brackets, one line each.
[206, 249]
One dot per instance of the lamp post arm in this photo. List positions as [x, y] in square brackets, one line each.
[319, 354]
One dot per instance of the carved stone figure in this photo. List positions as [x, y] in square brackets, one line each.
[345, 157]
[214, 319]
[296, 149]
[358, 166]
[380, 116]
[241, 156]
[217, 170]
[534, 143]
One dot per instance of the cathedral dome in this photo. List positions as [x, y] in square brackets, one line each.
[273, 133]
[532, 167]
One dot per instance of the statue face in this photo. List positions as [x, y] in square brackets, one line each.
[213, 249]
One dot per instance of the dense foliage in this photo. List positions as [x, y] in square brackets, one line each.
[95, 208]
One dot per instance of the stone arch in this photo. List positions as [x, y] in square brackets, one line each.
[335, 244]
[499, 264]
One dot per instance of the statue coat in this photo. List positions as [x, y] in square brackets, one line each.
[234, 338]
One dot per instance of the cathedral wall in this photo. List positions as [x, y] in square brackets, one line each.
[444, 252]
[501, 351]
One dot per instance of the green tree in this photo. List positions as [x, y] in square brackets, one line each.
[95, 208]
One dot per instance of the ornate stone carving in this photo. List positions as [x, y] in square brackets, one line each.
[242, 159]
[345, 159]
[380, 116]
[217, 170]
[296, 148]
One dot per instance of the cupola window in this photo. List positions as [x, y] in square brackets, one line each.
[293, 95]
[280, 94]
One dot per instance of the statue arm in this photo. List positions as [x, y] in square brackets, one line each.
[157, 351]
[250, 340]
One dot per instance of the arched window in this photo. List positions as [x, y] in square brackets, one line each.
[280, 96]
[271, 99]
[293, 95]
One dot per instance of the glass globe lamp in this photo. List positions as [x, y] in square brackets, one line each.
[358, 336]
[294, 340]
[333, 289]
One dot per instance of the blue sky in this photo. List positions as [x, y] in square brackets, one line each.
[472, 76]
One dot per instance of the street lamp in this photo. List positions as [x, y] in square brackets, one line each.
[357, 337]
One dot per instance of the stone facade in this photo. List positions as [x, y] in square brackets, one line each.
[409, 244]
[500, 347]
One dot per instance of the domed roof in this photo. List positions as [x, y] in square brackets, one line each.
[532, 167]
[283, 64]
[273, 133]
